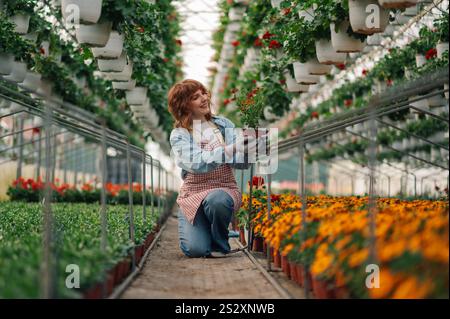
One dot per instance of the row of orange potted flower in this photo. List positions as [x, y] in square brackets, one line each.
[411, 247]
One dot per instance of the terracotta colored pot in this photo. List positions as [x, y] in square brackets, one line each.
[277, 259]
[292, 271]
[322, 289]
[109, 285]
[95, 292]
[271, 254]
[258, 244]
[264, 247]
[299, 273]
[242, 236]
[341, 292]
[306, 275]
[285, 266]
[116, 273]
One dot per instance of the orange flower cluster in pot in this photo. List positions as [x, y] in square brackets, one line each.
[411, 251]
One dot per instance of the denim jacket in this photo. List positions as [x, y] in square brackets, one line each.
[191, 158]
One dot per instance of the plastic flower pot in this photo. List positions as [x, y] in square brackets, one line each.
[285, 266]
[109, 281]
[94, 292]
[96, 35]
[342, 41]
[126, 85]
[242, 236]
[123, 76]
[374, 39]
[31, 36]
[307, 14]
[32, 81]
[136, 96]
[89, 10]
[277, 259]
[321, 289]
[397, 4]
[299, 274]
[236, 13]
[293, 86]
[6, 61]
[367, 17]
[326, 54]
[18, 72]
[257, 244]
[21, 21]
[302, 76]
[113, 65]
[316, 68]
[276, 3]
[44, 90]
[264, 247]
[293, 273]
[441, 48]
[113, 48]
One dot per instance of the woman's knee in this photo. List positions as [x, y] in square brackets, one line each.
[220, 201]
[195, 250]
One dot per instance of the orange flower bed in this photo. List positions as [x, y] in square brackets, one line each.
[411, 242]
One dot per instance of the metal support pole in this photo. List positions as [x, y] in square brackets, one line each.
[20, 158]
[144, 185]
[159, 187]
[103, 163]
[130, 202]
[64, 159]
[304, 199]
[47, 288]
[250, 198]
[152, 188]
[372, 196]
[269, 208]
[39, 159]
[389, 186]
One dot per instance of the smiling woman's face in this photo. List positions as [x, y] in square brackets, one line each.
[199, 105]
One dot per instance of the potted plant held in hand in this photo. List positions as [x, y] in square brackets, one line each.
[251, 104]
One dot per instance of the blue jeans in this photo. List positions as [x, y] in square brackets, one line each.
[210, 229]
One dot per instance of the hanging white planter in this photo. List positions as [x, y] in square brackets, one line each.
[80, 82]
[436, 100]
[89, 10]
[446, 93]
[293, 86]
[112, 49]
[441, 47]
[113, 65]
[326, 54]
[420, 60]
[6, 60]
[342, 41]
[307, 14]
[22, 22]
[18, 72]
[420, 104]
[44, 90]
[316, 68]
[128, 85]
[276, 3]
[302, 75]
[389, 31]
[367, 16]
[45, 48]
[397, 4]
[124, 76]
[32, 37]
[95, 34]
[374, 39]
[32, 81]
[236, 13]
[138, 95]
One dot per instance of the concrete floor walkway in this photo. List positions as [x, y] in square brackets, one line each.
[169, 274]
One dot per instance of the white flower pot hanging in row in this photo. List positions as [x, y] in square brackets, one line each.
[367, 16]
[88, 11]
